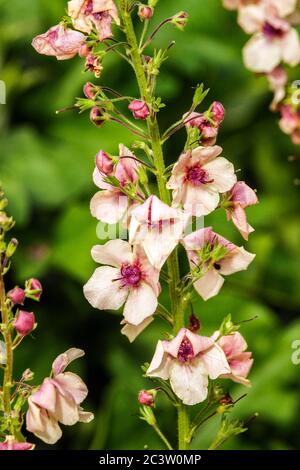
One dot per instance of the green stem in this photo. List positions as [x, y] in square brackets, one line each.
[162, 436]
[158, 159]
[7, 379]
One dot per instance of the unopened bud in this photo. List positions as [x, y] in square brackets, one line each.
[16, 295]
[226, 400]
[104, 163]
[145, 12]
[218, 112]
[27, 375]
[11, 247]
[33, 289]
[140, 109]
[96, 117]
[24, 323]
[89, 90]
[180, 20]
[147, 397]
[195, 324]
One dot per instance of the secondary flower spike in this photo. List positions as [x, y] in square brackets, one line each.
[188, 361]
[158, 228]
[211, 257]
[57, 400]
[241, 196]
[63, 43]
[87, 14]
[128, 278]
[198, 178]
[240, 361]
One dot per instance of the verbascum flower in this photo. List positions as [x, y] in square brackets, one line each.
[188, 361]
[57, 400]
[198, 178]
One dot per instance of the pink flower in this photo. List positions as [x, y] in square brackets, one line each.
[241, 196]
[274, 39]
[208, 130]
[110, 205]
[63, 43]
[277, 80]
[57, 400]
[198, 178]
[240, 362]
[140, 109]
[188, 360]
[89, 90]
[87, 14]
[24, 322]
[11, 444]
[127, 279]
[158, 228]
[16, 295]
[231, 259]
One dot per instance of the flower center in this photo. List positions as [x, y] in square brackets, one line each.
[131, 274]
[186, 351]
[271, 32]
[197, 176]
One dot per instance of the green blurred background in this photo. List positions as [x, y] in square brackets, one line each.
[46, 166]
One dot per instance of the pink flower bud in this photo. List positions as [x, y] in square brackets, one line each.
[145, 12]
[195, 324]
[96, 117]
[11, 444]
[89, 90]
[24, 323]
[33, 289]
[218, 112]
[147, 397]
[16, 295]
[140, 109]
[104, 163]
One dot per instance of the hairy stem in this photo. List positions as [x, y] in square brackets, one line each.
[7, 378]
[158, 158]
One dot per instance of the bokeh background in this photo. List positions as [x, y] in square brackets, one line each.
[46, 162]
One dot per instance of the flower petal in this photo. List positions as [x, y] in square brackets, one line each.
[102, 291]
[209, 285]
[236, 260]
[43, 425]
[221, 171]
[66, 410]
[71, 385]
[160, 363]
[45, 396]
[113, 253]
[109, 206]
[291, 48]
[189, 381]
[133, 331]
[201, 200]
[63, 360]
[215, 362]
[261, 54]
[141, 303]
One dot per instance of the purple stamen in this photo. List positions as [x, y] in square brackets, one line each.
[186, 351]
[131, 274]
[197, 175]
[271, 32]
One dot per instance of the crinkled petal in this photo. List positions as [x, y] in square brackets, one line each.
[70, 384]
[43, 425]
[236, 260]
[63, 360]
[66, 410]
[45, 396]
